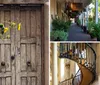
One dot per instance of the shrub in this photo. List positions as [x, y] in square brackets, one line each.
[94, 29]
[78, 22]
[59, 24]
[58, 35]
[90, 26]
[97, 30]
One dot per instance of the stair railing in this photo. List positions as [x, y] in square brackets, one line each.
[88, 60]
[73, 80]
[93, 64]
[66, 82]
[77, 78]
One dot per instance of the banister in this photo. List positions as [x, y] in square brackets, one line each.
[90, 65]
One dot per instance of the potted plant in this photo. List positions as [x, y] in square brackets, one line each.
[93, 34]
[59, 24]
[60, 29]
[97, 31]
[78, 22]
[58, 35]
[94, 30]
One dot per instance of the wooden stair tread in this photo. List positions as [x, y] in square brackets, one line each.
[87, 75]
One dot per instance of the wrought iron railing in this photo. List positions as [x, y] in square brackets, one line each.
[66, 82]
[73, 80]
[77, 78]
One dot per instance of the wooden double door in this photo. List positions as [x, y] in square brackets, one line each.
[21, 54]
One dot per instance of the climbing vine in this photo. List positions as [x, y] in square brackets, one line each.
[5, 31]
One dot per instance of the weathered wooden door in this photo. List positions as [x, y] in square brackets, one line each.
[20, 55]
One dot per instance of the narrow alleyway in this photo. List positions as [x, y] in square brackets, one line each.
[76, 34]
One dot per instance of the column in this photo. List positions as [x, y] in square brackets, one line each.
[54, 68]
[59, 10]
[98, 59]
[96, 11]
[83, 18]
[98, 62]
[86, 16]
[53, 7]
[53, 11]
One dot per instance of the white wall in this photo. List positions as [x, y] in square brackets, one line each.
[97, 49]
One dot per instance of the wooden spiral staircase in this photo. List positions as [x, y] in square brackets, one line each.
[87, 63]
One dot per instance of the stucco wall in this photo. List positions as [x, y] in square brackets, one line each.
[97, 49]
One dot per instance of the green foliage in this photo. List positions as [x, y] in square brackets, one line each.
[93, 2]
[1, 28]
[94, 29]
[90, 25]
[59, 24]
[60, 29]
[5, 31]
[93, 34]
[78, 22]
[97, 30]
[58, 35]
[90, 19]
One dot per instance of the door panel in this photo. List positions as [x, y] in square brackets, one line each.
[7, 48]
[23, 45]
[29, 47]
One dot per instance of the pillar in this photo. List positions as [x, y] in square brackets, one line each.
[54, 68]
[83, 19]
[59, 10]
[87, 16]
[96, 11]
[53, 7]
[53, 11]
[98, 59]
[98, 62]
